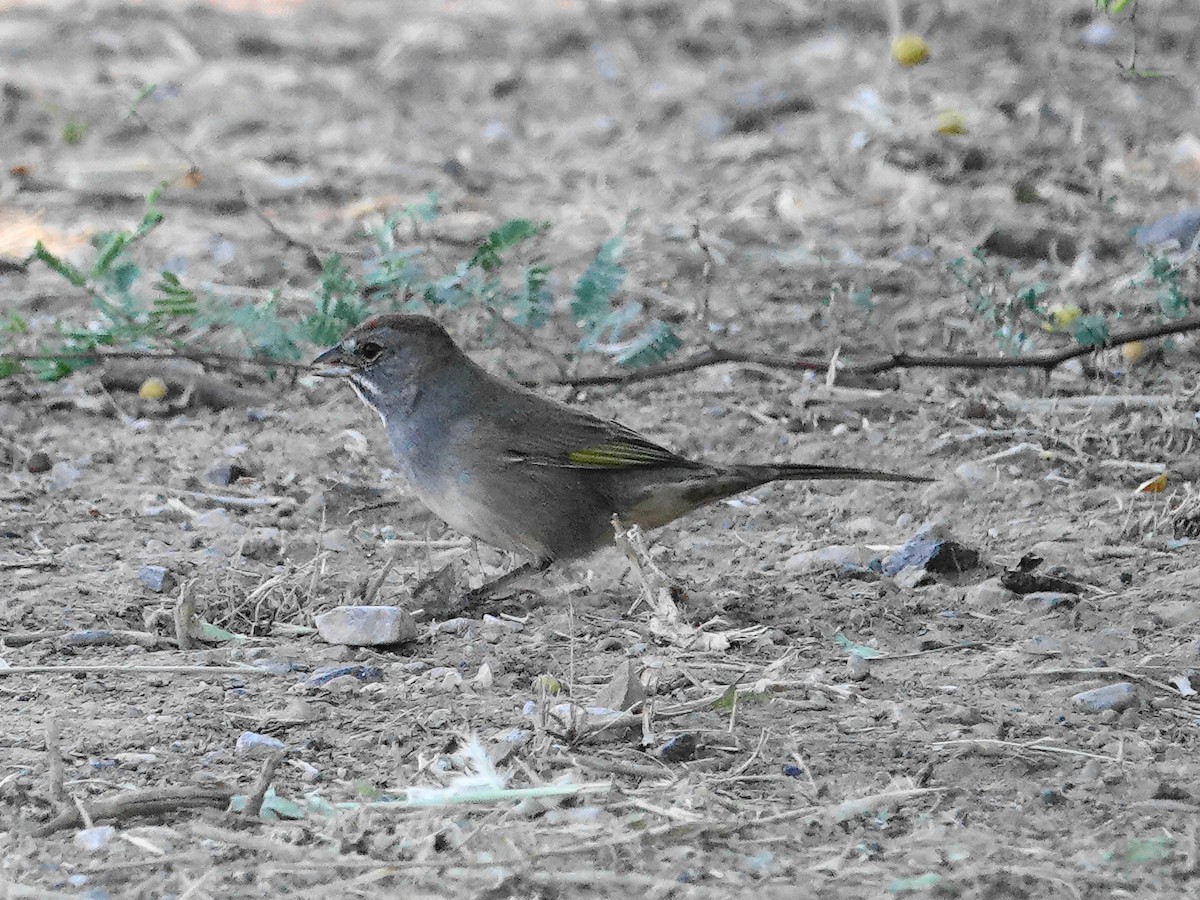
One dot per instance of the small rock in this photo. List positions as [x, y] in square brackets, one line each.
[367, 626]
[990, 594]
[157, 578]
[250, 743]
[911, 577]
[1181, 228]
[459, 626]
[94, 839]
[624, 690]
[214, 518]
[1120, 696]
[38, 463]
[864, 525]
[858, 667]
[678, 749]
[1023, 580]
[262, 543]
[361, 673]
[224, 474]
[974, 473]
[1051, 599]
[932, 549]
[1041, 645]
[1052, 797]
[62, 476]
[1098, 33]
[911, 254]
[850, 555]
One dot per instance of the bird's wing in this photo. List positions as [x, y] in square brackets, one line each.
[570, 439]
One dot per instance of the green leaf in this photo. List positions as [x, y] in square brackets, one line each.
[123, 276]
[727, 700]
[58, 265]
[424, 210]
[142, 95]
[862, 299]
[507, 236]
[912, 885]
[531, 305]
[1090, 331]
[657, 342]
[14, 324]
[9, 367]
[1140, 851]
[596, 286]
[860, 649]
[273, 806]
[73, 132]
[110, 246]
[214, 634]
[1028, 297]
[1173, 303]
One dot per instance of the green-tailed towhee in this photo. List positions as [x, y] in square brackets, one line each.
[520, 471]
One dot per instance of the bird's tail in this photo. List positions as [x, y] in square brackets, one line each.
[815, 472]
[664, 501]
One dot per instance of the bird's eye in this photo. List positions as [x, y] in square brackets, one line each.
[370, 351]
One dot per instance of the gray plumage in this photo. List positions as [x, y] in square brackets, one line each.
[517, 470]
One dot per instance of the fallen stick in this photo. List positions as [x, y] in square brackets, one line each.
[148, 802]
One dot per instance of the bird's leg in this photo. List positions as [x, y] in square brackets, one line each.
[489, 588]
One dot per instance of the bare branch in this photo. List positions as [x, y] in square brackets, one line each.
[1045, 361]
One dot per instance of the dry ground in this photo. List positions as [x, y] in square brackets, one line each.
[983, 778]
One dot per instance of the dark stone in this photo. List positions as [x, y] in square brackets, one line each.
[678, 749]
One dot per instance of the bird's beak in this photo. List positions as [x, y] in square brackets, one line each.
[333, 363]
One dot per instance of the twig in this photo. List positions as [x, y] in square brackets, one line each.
[1045, 361]
[310, 250]
[98, 669]
[1034, 745]
[195, 168]
[148, 802]
[618, 767]
[235, 501]
[184, 616]
[203, 357]
[54, 763]
[255, 801]
[710, 266]
[712, 357]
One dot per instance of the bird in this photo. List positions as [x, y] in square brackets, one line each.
[520, 471]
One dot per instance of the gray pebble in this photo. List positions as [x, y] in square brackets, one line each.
[157, 578]
[363, 674]
[1180, 228]
[367, 626]
[38, 463]
[251, 743]
[858, 667]
[1115, 697]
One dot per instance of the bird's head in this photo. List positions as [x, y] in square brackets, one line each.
[385, 357]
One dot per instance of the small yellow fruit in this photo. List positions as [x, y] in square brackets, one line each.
[1133, 351]
[910, 50]
[1155, 485]
[153, 389]
[950, 121]
[1063, 314]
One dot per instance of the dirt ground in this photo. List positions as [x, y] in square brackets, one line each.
[956, 763]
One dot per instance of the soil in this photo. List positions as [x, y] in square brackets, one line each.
[811, 725]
